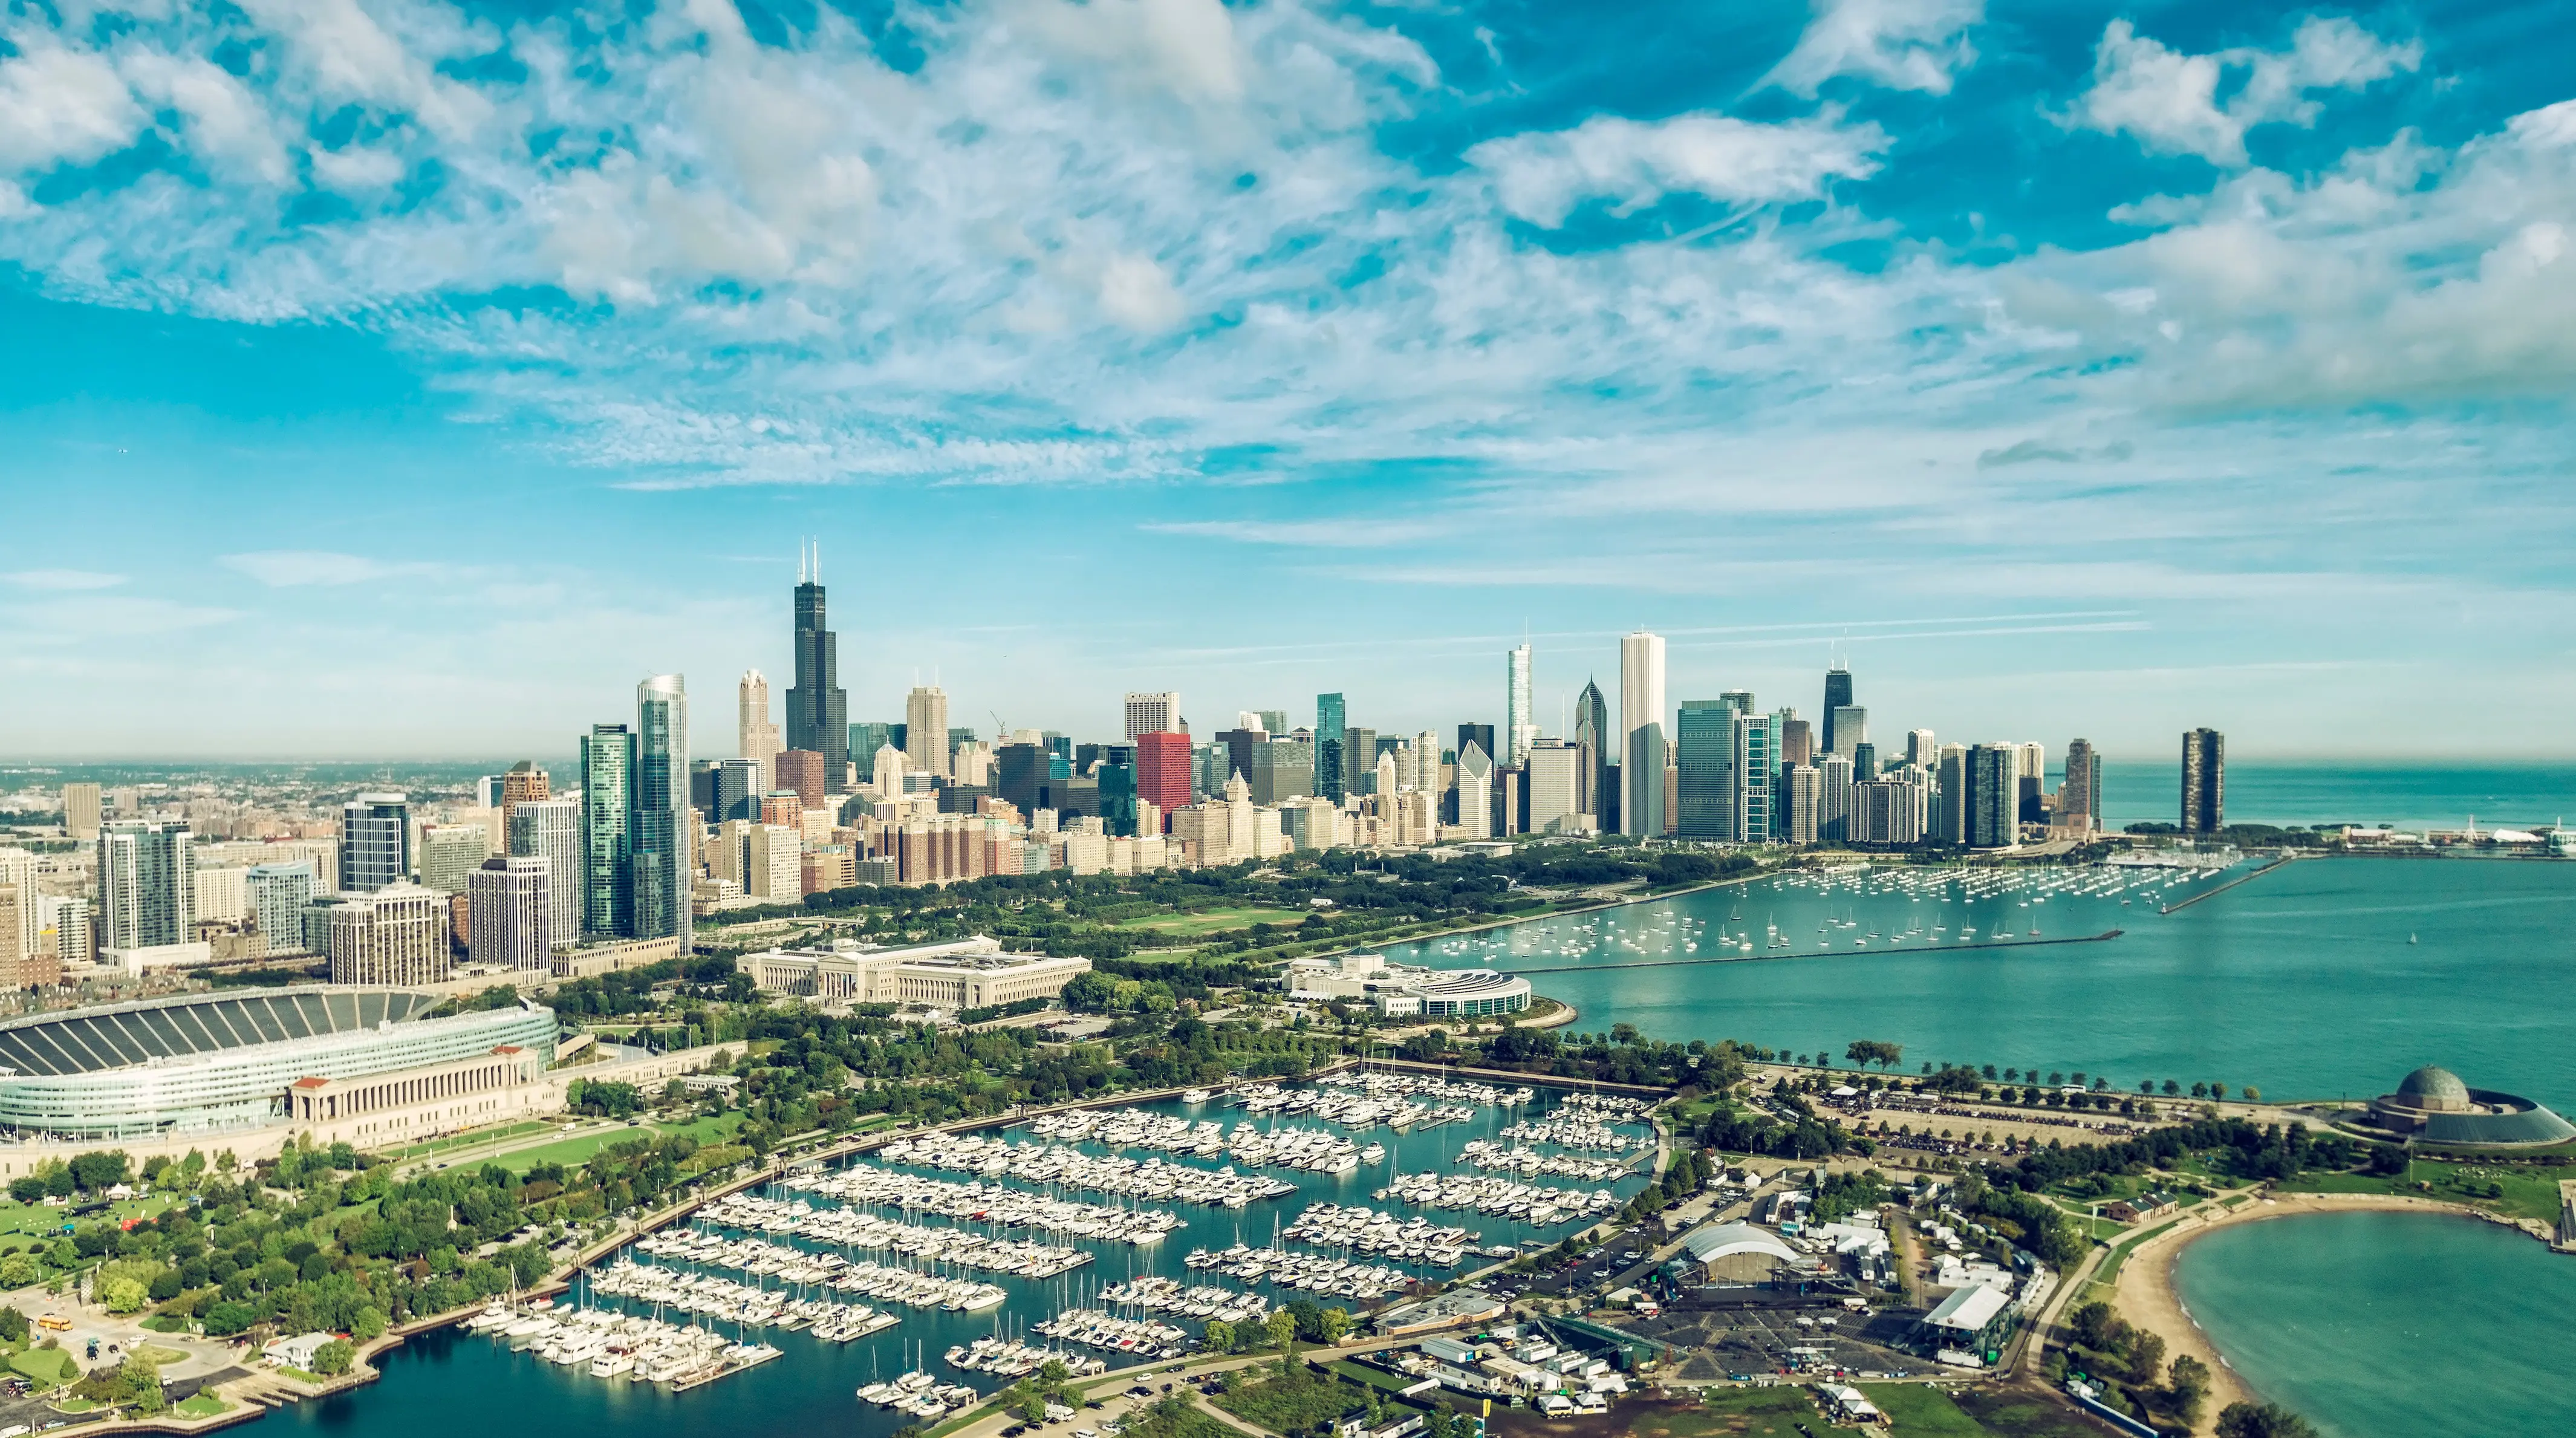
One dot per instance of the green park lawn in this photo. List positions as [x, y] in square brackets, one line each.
[1913, 1408]
[44, 1367]
[200, 1405]
[1213, 921]
[2527, 1194]
[2007, 1413]
[36, 1220]
[573, 1151]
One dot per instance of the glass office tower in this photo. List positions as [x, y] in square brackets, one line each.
[607, 800]
[658, 832]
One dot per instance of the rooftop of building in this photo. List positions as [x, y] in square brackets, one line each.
[154, 1031]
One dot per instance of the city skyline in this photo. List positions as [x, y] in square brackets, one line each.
[2072, 369]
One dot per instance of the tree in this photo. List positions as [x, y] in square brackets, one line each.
[1281, 1326]
[2187, 1385]
[1336, 1324]
[1219, 1336]
[2262, 1420]
[1863, 1052]
[122, 1295]
[334, 1358]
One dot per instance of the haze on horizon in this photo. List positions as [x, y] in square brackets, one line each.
[392, 377]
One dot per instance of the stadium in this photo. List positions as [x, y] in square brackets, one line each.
[220, 1062]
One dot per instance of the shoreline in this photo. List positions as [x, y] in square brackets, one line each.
[2146, 1296]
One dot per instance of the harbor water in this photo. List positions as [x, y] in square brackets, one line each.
[2327, 978]
[2392, 1325]
[451, 1380]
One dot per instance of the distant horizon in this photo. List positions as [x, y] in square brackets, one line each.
[2056, 758]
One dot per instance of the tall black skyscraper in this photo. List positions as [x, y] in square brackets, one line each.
[1838, 695]
[1597, 757]
[818, 709]
[2204, 782]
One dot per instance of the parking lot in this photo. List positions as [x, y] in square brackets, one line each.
[1714, 1344]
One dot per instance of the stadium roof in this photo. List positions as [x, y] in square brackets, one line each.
[1727, 1239]
[134, 1034]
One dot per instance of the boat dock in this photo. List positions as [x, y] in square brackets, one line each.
[1892, 948]
[2283, 862]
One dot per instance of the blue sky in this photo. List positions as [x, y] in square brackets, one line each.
[382, 377]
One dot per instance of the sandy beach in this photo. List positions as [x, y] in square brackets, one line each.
[2144, 1293]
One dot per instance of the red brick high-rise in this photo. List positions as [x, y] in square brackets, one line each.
[802, 771]
[1163, 771]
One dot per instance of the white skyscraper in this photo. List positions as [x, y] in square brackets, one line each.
[1519, 724]
[550, 829]
[1475, 793]
[509, 909]
[925, 731]
[758, 736]
[1643, 736]
[1153, 714]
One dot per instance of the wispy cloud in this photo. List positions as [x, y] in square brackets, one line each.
[63, 579]
[298, 568]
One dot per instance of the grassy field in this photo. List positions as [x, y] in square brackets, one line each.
[200, 1405]
[1913, 1408]
[2007, 1413]
[572, 1151]
[465, 1141]
[36, 1220]
[1212, 921]
[1783, 1412]
[2527, 1194]
[45, 1367]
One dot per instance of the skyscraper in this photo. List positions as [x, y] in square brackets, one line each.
[509, 909]
[925, 721]
[147, 884]
[1920, 750]
[550, 829]
[1359, 760]
[1550, 781]
[276, 895]
[756, 734]
[1163, 771]
[1994, 799]
[1519, 725]
[661, 829]
[1757, 748]
[1846, 729]
[2030, 782]
[818, 709]
[81, 806]
[1704, 750]
[801, 770]
[1797, 739]
[1480, 735]
[2079, 797]
[607, 856]
[524, 782]
[866, 738]
[1833, 798]
[375, 842]
[1329, 721]
[2204, 782]
[1641, 729]
[1117, 774]
[1475, 791]
[1950, 797]
[1600, 753]
[1838, 694]
[1155, 713]
[396, 935]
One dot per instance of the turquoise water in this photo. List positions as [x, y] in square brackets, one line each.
[448, 1382]
[2302, 982]
[2317, 792]
[2392, 1325]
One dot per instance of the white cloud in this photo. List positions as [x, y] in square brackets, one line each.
[224, 124]
[1542, 176]
[291, 568]
[1901, 44]
[63, 579]
[60, 105]
[2169, 100]
[1136, 293]
[351, 57]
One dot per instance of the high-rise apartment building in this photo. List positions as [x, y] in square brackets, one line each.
[607, 853]
[1330, 721]
[1643, 744]
[1950, 797]
[2030, 782]
[801, 770]
[81, 810]
[1802, 787]
[524, 783]
[276, 896]
[756, 734]
[925, 727]
[1520, 725]
[1156, 713]
[449, 852]
[19, 888]
[511, 912]
[1920, 751]
[551, 830]
[147, 884]
[1797, 739]
[395, 935]
[661, 829]
[1757, 749]
[1994, 798]
[2204, 782]
[1838, 695]
[375, 842]
[1833, 798]
[818, 709]
[2079, 795]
